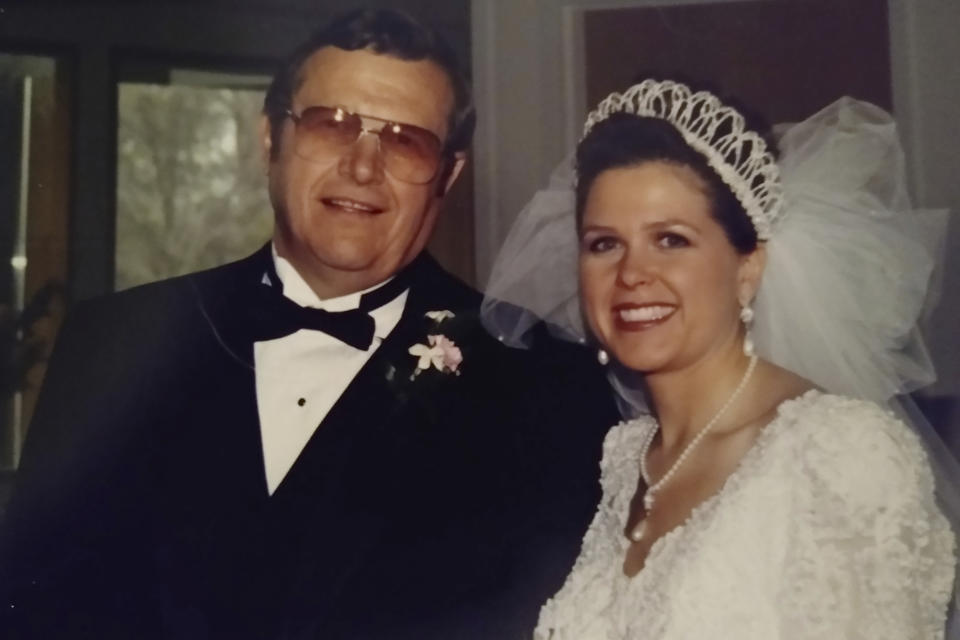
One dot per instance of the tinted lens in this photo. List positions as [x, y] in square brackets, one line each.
[323, 131]
[410, 153]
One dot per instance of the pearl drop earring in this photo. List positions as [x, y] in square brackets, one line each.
[746, 316]
[603, 357]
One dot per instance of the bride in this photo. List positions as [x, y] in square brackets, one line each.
[764, 312]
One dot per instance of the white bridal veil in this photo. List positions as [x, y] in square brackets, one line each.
[848, 264]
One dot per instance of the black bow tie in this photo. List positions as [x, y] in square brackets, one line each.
[279, 316]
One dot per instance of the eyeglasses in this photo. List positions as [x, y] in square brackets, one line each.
[410, 153]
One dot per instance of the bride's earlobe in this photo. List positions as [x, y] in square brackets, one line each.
[751, 273]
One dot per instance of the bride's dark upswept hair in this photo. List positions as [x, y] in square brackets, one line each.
[626, 140]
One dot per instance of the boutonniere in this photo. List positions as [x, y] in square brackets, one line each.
[427, 373]
[440, 352]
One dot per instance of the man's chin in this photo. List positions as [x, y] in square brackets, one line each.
[348, 262]
[353, 266]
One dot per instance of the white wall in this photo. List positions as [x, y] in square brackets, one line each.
[926, 84]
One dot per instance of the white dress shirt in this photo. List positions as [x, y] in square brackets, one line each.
[300, 377]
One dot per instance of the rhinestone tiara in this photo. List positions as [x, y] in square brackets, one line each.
[738, 155]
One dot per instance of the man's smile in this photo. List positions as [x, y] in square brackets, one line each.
[351, 205]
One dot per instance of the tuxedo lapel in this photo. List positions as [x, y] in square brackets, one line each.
[376, 400]
[346, 490]
[366, 407]
[328, 509]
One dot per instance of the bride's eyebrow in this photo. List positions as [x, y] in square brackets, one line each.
[594, 228]
[672, 223]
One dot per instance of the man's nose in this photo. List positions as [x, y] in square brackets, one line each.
[362, 161]
[637, 268]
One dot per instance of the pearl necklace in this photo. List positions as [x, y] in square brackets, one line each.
[649, 496]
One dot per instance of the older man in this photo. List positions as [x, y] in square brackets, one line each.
[319, 440]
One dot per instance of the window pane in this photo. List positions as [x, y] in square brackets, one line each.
[191, 192]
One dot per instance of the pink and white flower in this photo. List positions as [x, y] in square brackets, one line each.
[440, 352]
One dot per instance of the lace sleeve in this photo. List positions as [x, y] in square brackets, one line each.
[871, 556]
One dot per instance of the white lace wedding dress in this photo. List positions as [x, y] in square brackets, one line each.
[827, 529]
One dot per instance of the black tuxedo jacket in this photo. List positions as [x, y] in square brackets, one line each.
[446, 506]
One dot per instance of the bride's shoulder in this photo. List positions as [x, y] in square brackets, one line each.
[836, 422]
[856, 448]
[842, 419]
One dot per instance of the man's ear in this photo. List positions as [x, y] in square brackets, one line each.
[266, 142]
[751, 273]
[451, 171]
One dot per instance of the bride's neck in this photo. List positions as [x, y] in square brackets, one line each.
[686, 399]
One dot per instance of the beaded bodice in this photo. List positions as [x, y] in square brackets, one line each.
[827, 528]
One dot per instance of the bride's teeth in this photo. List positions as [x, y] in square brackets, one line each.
[644, 314]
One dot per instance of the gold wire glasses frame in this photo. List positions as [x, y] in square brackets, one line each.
[410, 153]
